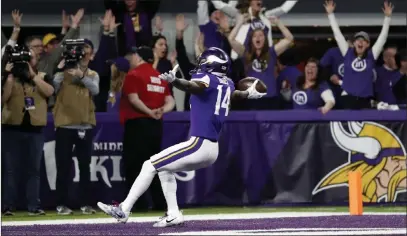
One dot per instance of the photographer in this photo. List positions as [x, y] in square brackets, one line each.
[74, 118]
[24, 114]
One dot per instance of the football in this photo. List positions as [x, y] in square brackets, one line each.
[248, 81]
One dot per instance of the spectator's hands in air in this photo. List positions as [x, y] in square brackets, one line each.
[159, 25]
[253, 93]
[242, 18]
[76, 19]
[109, 22]
[274, 20]
[180, 24]
[15, 14]
[329, 6]
[388, 8]
[173, 57]
[65, 20]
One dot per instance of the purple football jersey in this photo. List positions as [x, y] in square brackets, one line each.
[309, 98]
[209, 109]
[358, 75]
[264, 70]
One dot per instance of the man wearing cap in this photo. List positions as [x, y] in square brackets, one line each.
[144, 100]
[74, 119]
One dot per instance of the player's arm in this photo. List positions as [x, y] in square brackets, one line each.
[194, 87]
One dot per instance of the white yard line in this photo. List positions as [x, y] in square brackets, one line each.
[190, 217]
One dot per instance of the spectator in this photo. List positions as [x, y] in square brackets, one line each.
[119, 68]
[400, 87]
[24, 115]
[257, 19]
[135, 17]
[48, 61]
[358, 61]
[387, 76]
[310, 91]
[214, 26]
[185, 64]
[107, 51]
[160, 49]
[16, 30]
[260, 59]
[332, 63]
[144, 100]
[287, 72]
[74, 119]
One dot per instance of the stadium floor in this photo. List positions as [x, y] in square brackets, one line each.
[223, 221]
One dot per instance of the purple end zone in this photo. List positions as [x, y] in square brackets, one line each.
[323, 222]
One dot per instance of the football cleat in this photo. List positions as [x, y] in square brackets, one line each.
[170, 220]
[114, 211]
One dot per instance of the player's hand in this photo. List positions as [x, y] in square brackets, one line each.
[253, 93]
[170, 76]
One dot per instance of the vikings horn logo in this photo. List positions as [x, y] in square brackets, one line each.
[377, 153]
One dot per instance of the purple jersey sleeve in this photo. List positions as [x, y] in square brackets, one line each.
[201, 77]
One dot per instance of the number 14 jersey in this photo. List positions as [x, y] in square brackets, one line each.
[210, 108]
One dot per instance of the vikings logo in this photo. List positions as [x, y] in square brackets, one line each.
[377, 153]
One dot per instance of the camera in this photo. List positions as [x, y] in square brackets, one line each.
[73, 52]
[19, 56]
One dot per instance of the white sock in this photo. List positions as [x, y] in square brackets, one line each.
[169, 186]
[140, 185]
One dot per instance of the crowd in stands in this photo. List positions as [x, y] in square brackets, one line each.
[346, 77]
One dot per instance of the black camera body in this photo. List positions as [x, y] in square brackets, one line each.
[20, 56]
[73, 52]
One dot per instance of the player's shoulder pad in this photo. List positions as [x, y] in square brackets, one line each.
[202, 78]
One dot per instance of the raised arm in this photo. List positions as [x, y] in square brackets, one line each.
[381, 40]
[72, 33]
[284, 43]
[228, 8]
[236, 46]
[281, 10]
[16, 30]
[340, 39]
[197, 84]
[203, 12]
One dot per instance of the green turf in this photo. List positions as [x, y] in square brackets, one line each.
[51, 215]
